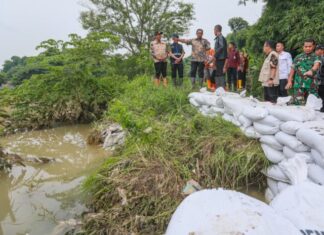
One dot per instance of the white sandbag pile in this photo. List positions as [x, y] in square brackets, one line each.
[219, 212]
[286, 132]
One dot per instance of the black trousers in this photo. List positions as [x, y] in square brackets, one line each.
[282, 88]
[271, 94]
[160, 69]
[321, 94]
[242, 76]
[177, 69]
[197, 66]
[219, 74]
[232, 77]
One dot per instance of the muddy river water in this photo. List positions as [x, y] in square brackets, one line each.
[35, 198]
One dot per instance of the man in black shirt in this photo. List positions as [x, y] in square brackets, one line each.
[220, 56]
[176, 56]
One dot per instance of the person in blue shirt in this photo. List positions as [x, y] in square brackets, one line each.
[176, 57]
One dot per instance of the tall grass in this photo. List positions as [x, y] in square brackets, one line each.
[139, 188]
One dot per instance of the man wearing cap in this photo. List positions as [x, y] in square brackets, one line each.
[176, 56]
[200, 46]
[159, 52]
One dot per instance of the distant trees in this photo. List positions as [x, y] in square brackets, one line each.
[135, 21]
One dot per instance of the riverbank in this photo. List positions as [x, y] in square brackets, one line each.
[169, 143]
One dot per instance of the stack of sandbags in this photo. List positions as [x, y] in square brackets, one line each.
[285, 132]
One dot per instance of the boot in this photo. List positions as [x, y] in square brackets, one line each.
[157, 82]
[213, 87]
[209, 84]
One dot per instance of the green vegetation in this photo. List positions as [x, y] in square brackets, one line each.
[169, 143]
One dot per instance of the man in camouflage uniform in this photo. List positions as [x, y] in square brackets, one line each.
[302, 74]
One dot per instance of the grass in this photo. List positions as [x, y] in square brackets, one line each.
[138, 189]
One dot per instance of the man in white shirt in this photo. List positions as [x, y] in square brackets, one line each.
[285, 62]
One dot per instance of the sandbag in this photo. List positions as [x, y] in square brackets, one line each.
[268, 195]
[234, 105]
[316, 174]
[273, 186]
[265, 130]
[270, 121]
[219, 212]
[250, 132]
[194, 102]
[282, 186]
[255, 113]
[313, 102]
[292, 113]
[231, 119]
[303, 205]
[217, 110]
[318, 159]
[276, 173]
[291, 127]
[295, 169]
[271, 141]
[272, 154]
[313, 137]
[291, 141]
[245, 121]
[283, 101]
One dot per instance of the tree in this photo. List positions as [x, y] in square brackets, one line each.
[237, 24]
[135, 21]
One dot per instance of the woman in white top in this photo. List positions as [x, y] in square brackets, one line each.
[285, 62]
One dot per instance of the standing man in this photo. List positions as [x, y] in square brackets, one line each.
[285, 62]
[320, 74]
[159, 52]
[220, 56]
[176, 57]
[302, 73]
[198, 57]
[232, 65]
[269, 75]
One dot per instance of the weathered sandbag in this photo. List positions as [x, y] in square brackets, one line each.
[271, 141]
[250, 132]
[282, 186]
[234, 105]
[276, 173]
[270, 121]
[292, 113]
[194, 102]
[272, 154]
[313, 102]
[216, 110]
[273, 186]
[313, 137]
[318, 159]
[303, 205]
[219, 212]
[283, 101]
[295, 169]
[255, 113]
[264, 129]
[231, 119]
[316, 173]
[291, 127]
[245, 122]
[268, 195]
[291, 141]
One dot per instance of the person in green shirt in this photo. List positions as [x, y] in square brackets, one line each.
[302, 74]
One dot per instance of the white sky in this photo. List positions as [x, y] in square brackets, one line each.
[25, 23]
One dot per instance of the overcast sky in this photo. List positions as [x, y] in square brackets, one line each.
[25, 23]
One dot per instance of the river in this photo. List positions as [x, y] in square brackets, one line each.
[35, 198]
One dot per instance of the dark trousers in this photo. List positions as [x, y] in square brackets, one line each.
[242, 76]
[232, 78]
[271, 94]
[321, 94]
[160, 69]
[219, 73]
[282, 88]
[194, 67]
[177, 69]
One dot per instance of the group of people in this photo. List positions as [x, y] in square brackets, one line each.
[210, 64]
[304, 75]
[279, 73]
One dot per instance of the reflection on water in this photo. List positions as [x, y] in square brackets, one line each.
[33, 199]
